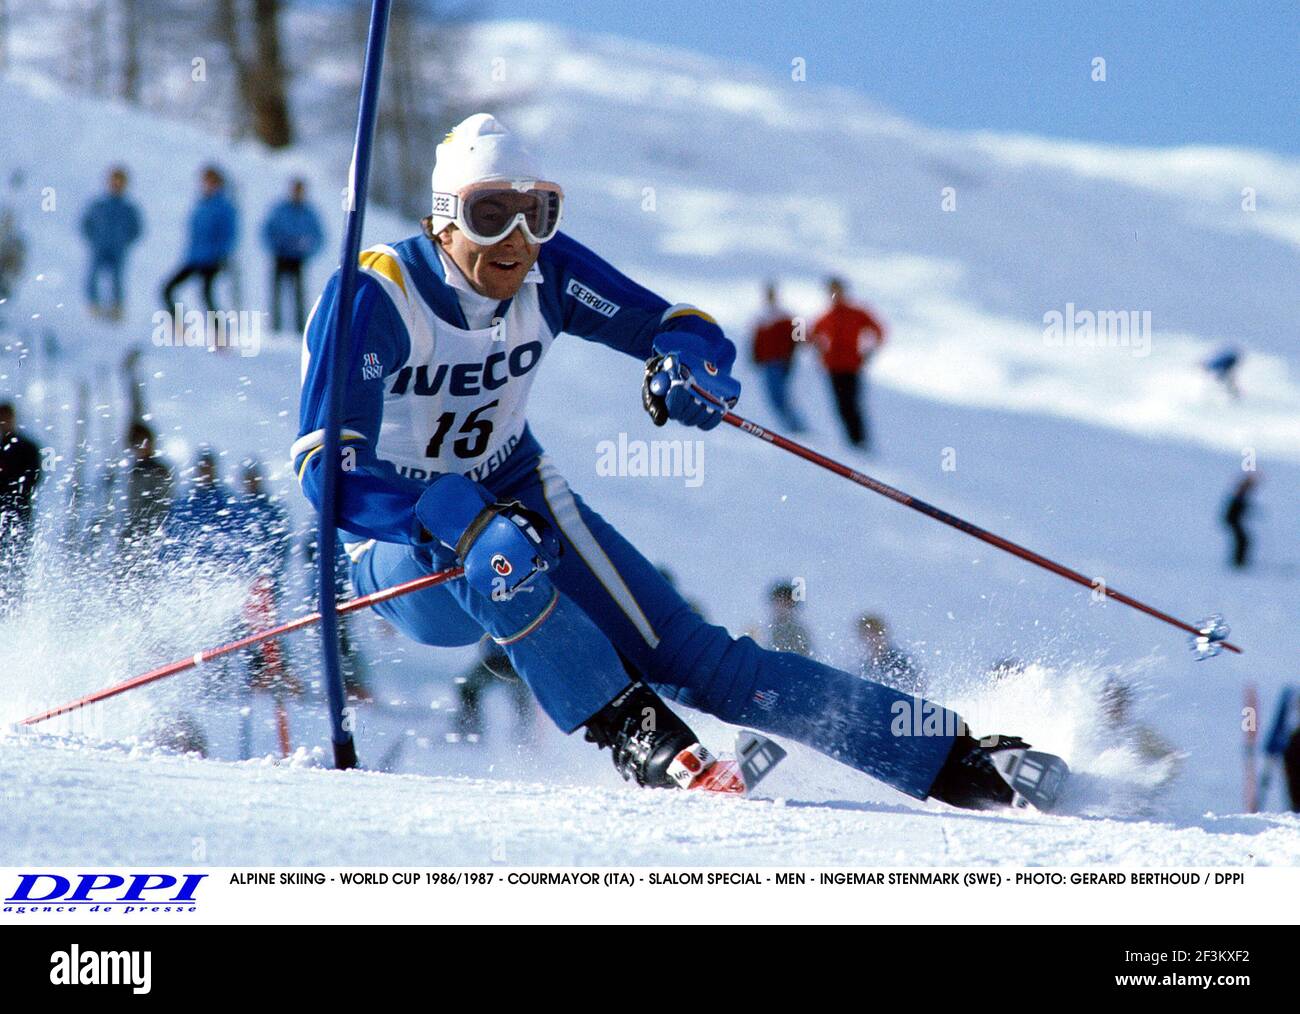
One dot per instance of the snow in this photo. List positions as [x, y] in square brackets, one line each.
[701, 180]
[154, 809]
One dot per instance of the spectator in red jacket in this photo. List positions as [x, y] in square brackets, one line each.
[774, 338]
[847, 335]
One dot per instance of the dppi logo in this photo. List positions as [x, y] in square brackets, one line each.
[109, 891]
[501, 565]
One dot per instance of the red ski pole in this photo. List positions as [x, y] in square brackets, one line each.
[907, 500]
[383, 595]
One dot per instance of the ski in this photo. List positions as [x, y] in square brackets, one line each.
[1035, 777]
[738, 773]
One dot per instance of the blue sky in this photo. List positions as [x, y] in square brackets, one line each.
[1177, 73]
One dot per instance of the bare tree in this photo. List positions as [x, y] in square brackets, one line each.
[256, 82]
[97, 56]
[131, 29]
[260, 72]
[272, 109]
[421, 97]
[405, 117]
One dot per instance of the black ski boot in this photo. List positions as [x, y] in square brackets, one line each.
[649, 742]
[970, 777]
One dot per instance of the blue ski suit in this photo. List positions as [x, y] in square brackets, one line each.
[427, 393]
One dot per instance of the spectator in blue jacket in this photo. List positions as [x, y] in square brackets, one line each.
[202, 528]
[214, 226]
[292, 233]
[110, 224]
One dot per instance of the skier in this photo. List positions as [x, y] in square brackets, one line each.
[1223, 366]
[439, 466]
[1235, 512]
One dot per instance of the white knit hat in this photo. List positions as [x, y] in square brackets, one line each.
[479, 148]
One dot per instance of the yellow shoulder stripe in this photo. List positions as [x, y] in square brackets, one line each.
[385, 264]
[689, 311]
[302, 469]
[343, 437]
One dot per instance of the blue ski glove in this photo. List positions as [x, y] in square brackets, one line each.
[502, 546]
[666, 390]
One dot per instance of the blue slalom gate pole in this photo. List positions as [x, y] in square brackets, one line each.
[336, 373]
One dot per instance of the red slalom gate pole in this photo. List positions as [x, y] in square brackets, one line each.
[929, 510]
[383, 595]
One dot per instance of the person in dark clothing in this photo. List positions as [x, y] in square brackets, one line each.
[110, 225]
[213, 229]
[265, 524]
[20, 467]
[1234, 519]
[774, 345]
[137, 488]
[133, 386]
[1291, 761]
[355, 679]
[13, 243]
[148, 488]
[493, 668]
[138, 498]
[267, 540]
[20, 473]
[292, 233]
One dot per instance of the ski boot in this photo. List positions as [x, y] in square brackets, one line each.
[650, 744]
[997, 772]
[970, 777]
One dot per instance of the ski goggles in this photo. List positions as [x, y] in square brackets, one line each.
[488, 212]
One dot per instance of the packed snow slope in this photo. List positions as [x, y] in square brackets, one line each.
[152, 810]
[701, 181]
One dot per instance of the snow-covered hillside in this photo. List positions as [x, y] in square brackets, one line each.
[701, 181]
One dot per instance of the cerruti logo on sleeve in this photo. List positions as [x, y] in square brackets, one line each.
[591, 299]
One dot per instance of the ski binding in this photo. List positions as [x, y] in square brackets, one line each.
[1035, 777]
